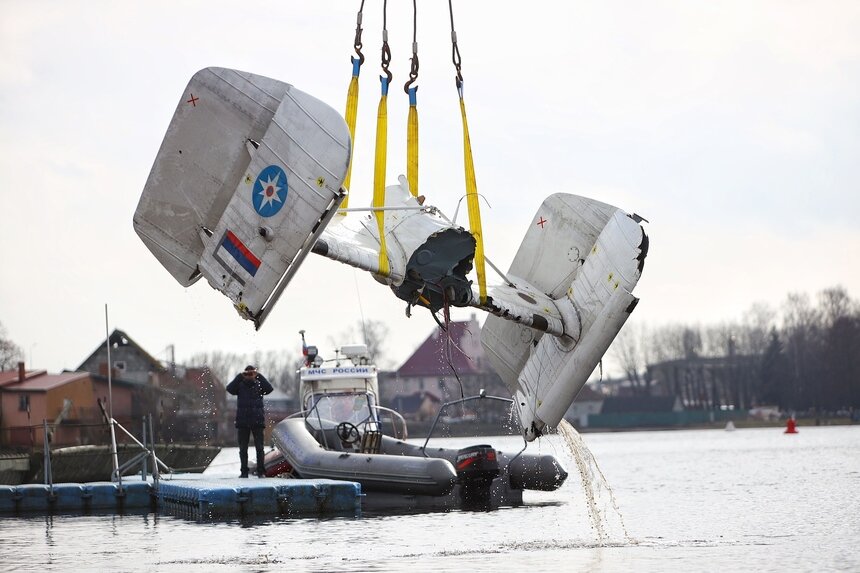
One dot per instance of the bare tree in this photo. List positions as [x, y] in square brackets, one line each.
[10, 353]
[835, 305]
[774, 372]
[223, 365]
[373, 333]
[630, 350]
[668, 342]
[806, 358]
[757, 325]
[840, 360]
[278, 366]
[800, 323]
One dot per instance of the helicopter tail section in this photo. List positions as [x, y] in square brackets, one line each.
[583, 258]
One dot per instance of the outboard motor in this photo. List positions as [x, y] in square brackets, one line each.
[477, 467]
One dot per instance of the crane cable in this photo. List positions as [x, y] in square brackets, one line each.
[352, 100]
[412, 120]
[471, 186]
[381, 148]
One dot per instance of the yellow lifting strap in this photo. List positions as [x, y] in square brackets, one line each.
[350, 116]
[472, 202]
[412, 119]
[412, 142]
[471, 186]
[379, 174]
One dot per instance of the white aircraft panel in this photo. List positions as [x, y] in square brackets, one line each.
[587, 257]
[201, 159]
[241, 184]
[559, 238]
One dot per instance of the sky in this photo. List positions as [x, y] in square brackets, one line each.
[732, 127]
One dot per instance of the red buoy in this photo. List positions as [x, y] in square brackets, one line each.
[791, 426]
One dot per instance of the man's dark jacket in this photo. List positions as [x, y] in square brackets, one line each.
[249, 403]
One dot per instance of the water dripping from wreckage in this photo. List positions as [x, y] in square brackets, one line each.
[593, 481]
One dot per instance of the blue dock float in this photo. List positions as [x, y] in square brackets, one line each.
[189, 495]
[75, 497]
[204, 497]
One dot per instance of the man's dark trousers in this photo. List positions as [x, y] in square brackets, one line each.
[244, 439]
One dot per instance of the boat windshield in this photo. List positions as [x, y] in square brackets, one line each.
[332, 409]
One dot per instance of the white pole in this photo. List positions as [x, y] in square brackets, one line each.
[109, 369]
[113, 453]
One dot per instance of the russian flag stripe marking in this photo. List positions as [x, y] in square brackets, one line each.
[241, 253]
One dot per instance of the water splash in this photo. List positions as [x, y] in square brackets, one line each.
[593, 481]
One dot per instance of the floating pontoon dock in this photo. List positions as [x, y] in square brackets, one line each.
[189, 495]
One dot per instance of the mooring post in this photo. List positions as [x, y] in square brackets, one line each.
[46, 464]
[143, 469]
[155, 471]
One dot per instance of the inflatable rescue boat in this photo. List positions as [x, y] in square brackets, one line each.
[343, 433]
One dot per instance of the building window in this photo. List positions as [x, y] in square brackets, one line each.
[24, 403]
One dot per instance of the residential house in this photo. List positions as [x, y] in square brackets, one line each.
[128, 359]
[133, 388]
[187, 404]
[28, 398]
[447, 365]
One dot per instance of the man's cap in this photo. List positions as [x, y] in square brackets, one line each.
[249, 368]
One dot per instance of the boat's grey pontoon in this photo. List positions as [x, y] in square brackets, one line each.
[341, 433]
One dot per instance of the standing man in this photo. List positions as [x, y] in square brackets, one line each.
[249, 387]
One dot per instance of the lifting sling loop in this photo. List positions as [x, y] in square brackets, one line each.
[352, 100]
[412, 143]
[350, 116]
[412, 119]
[379, 174]
[471, 186]
[472, 202]
[379, 164]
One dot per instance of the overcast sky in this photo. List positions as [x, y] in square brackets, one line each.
[733, 127]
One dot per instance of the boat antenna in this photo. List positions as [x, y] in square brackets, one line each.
[304, 348]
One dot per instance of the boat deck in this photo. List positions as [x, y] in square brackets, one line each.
[193, 496]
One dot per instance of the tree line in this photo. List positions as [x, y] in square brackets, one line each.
[801, 356]
[281, 367]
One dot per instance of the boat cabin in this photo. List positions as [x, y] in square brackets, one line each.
[344, 389]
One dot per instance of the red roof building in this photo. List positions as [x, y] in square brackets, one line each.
[445, 366]
[461, 345]
[30, 397]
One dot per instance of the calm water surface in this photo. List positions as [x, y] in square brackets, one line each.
[701, 500]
